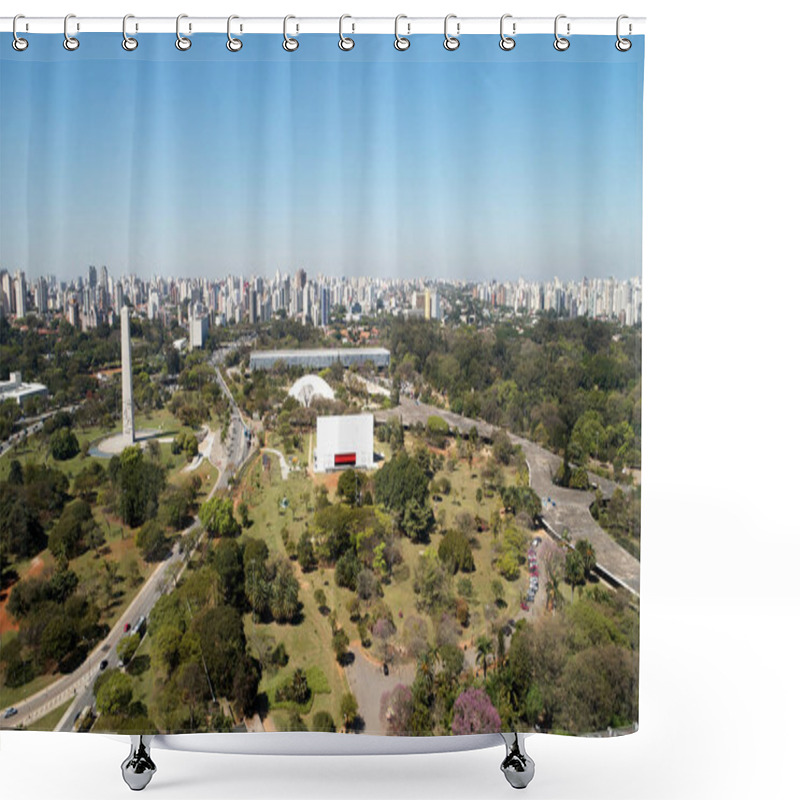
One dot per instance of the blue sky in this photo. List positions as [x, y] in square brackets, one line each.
[470, 164]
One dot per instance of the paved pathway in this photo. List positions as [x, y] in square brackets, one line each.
[569, 510]
[282, 460]
[368, 683]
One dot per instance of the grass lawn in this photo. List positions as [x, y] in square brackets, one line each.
[49, 721]
[9, 696]
[309, 643]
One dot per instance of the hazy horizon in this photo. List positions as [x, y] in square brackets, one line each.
[463, 166]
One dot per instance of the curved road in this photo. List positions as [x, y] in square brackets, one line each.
[570, 509]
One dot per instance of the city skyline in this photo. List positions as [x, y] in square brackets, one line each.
[396, 163]
[88, 299]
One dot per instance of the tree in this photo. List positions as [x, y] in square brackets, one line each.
[598, 687]
[455, 552]
[417, 520]
[285, 592]
[138, 482]
[347, 569]
[499, 593]
[349, 710]
[71, 534]
[437, 430]
[127, 647]
[432, 584]
[351, 486]
[323, 722]
[166, 644]
[64, 444]
[383, 630]
[114, 694]
[227, 563]
[218, 518]
[151, 541]
[192, 683]
[245, 686]
[305, 552]
[341, 645]
[220, 636]
[574, 570]
[473, 712]
[396, 709]
[586, 551]
[484, 647]
[502, 449]
[400, 481]
[256, 586]
[244, 514]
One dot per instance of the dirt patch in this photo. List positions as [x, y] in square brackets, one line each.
[330, 480]
[7, 622]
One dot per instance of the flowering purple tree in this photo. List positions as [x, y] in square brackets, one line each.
[473, 712]
[396, 707]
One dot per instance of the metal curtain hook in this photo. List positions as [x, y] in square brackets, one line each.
[18, 43]
[70, 42]
[128, 42]
[623, 45]
[450, 42]
[181, 42]
[506, 42]
[400, 42]
[561, 44]
[289, 44]
[233, 44]
[345, 42]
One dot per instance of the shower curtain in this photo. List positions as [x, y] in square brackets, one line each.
[321, 383]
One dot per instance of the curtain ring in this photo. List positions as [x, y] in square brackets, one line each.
[561, 44]
[128, 42]
[181, 42]
[345, 42]
[506, 42]
[289, 44]
[70, 42]
[450, 42]
[400, 42]
[233, 44]
[18, 43]
[623, 45]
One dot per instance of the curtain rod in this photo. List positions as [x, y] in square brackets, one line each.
[407, 25]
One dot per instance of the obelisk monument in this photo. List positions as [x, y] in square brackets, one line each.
[128, 431]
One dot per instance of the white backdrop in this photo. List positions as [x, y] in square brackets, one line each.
[720, 605]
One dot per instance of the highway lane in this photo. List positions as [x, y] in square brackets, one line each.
[568, 510]
[82, 679]
[78, 685]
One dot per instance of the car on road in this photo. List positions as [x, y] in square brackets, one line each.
[103, 664]
[385, 668]
[10, 712]
[127, 627]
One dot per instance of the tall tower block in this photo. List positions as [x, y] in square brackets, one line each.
[128, 431]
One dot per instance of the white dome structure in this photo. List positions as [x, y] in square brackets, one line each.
[308, 387]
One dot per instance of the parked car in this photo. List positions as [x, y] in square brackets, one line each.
[385, 668]
[10, 712]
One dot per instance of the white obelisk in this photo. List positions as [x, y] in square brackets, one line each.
[128, 431]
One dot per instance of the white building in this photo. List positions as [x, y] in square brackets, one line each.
[344, 442]
[198, 332]
[305, 389]
[15, 389]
